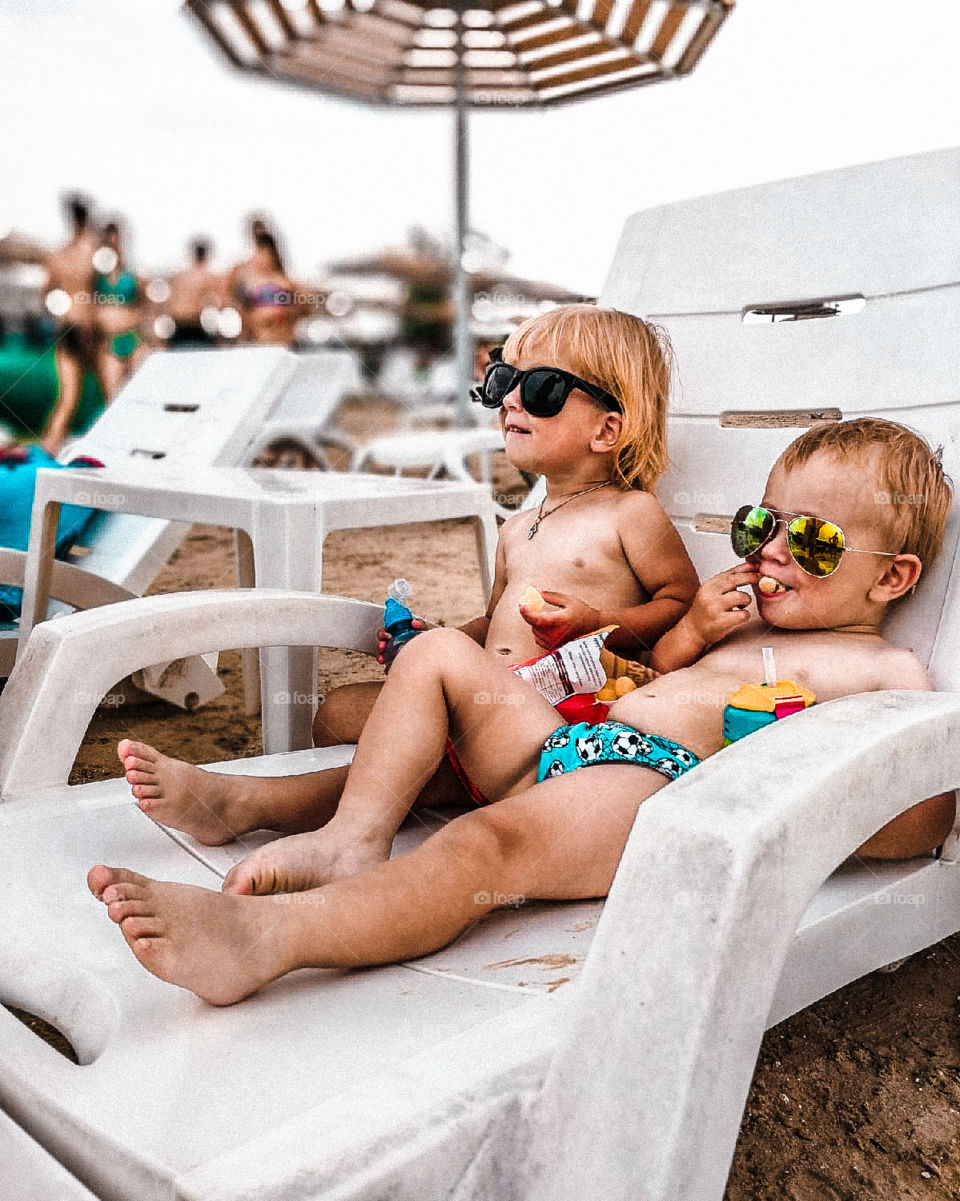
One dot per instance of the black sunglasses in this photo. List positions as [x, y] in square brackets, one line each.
[543, 390]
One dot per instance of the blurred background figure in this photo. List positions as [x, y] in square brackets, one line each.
[265, 294]
[235, 279]
[481, 356]
[68, 299]
[194, 298]
[117, 305]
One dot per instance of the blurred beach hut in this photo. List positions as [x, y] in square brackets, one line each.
[465, 54]
[417, 279]
[19, 248]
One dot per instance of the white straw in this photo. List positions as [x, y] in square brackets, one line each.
[769, 667]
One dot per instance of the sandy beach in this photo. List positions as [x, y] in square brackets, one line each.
[857, 1097]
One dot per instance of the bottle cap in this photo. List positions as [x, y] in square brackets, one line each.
[400, 590]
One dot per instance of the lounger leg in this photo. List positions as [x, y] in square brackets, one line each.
[249, 659]
[485, 528]
[39, 569]
[287, 553]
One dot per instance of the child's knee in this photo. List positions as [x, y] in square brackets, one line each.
[341, 716]
[440, 649]
[487, 842]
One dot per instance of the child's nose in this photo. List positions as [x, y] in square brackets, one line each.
[512, 399]
[776, 549]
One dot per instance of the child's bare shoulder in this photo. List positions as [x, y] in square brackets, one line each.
[634, 501]
[637, 513]
[898, 667]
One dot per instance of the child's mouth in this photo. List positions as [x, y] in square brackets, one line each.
[771, 587]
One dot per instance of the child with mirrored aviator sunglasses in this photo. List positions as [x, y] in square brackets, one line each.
[582, 394]
[566, 796]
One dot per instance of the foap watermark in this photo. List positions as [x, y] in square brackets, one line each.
[298, 698]
[499, 899]
[709, 900]
[99, 500]
[110, 700]
[305, 900]
[711, 501]
[900, 498]
[508, 500]
[498, 698]
[697, 698]
[492, 97]
[900, 898]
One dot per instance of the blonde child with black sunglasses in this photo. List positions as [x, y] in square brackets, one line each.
[583, 395]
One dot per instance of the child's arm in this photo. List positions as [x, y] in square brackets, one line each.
[926, 825]
[718, 608]
[656, 556]
[477, 628]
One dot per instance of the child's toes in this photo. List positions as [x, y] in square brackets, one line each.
[140, 927]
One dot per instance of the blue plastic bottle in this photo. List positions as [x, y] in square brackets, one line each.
[397, 620]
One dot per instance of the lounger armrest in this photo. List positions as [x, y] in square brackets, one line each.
[710, 891]
[68, 583]
[69, 663]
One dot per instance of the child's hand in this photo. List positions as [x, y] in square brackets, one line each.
[571, 618]
[719, 606]
[385, 651]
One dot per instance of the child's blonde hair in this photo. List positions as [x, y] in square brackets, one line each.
[908, 478]
[628, 357]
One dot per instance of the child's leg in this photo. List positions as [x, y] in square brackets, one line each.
[443, 683]
[344, 713]
[561, 839]
[216, 808]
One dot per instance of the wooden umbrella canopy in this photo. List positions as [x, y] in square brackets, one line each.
[465, 54]
[514, 52]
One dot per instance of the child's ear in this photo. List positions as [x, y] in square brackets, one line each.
[608, 433]
[901, 575]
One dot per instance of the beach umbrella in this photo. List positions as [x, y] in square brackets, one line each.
[416, 267]
[465, 54]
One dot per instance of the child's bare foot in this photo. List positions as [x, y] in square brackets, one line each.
[303, 861]
[220, 947]
[207, 805]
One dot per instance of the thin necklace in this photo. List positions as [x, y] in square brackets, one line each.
[541, 516]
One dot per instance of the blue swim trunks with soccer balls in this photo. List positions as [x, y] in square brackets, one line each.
[585, 744]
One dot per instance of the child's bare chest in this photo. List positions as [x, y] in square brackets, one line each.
[829, 664]
[584, 550]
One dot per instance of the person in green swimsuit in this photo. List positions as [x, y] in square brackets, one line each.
[116, 296]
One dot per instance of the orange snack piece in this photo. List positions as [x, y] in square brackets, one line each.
[531, 599]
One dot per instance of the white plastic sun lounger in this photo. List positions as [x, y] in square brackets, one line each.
[192, 408]
[300, 421]
[438, 452]
[559, 1051]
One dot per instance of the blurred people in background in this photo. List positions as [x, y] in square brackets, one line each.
[117, 307]
[68, 298]
[234, 282]
[481, 356]
[265, 295]
[192, 292]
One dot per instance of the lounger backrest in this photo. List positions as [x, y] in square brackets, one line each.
[180, 409]
[321, 381]
[745, 388]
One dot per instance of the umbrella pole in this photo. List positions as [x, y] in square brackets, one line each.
[463, 341]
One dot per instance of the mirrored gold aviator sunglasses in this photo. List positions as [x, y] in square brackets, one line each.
[816, 546]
